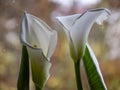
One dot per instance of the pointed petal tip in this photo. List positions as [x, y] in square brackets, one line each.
[25, 12]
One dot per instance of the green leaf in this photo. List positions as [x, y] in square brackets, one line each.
[93, 72]
[23, 78]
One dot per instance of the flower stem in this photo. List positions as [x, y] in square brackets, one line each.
[77, 74]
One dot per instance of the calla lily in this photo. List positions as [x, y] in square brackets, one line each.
[77, 28]
[40, 41]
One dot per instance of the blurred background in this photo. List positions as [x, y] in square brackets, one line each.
[105, 41]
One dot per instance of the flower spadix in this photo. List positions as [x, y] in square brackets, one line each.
[77, 28]
[40, 41]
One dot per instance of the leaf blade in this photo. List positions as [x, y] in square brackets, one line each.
[23, 78]
[93, 72]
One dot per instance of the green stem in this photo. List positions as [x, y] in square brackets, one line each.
[77, 73]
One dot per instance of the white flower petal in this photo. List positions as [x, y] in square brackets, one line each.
[35, 33]
[68, 21]
[52, 44]
[81, 28]
[40, 41]
[40, 66]
[79, 25]
[101, 18]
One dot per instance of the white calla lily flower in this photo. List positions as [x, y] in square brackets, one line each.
[77, 28]
[40, 41]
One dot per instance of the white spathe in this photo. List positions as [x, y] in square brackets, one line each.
[40, 41]
[77, 28]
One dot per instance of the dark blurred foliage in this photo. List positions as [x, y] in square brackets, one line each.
[103, 40]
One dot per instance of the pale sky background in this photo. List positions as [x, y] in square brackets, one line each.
[88, 2]
[65, 6]
[69, 2]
